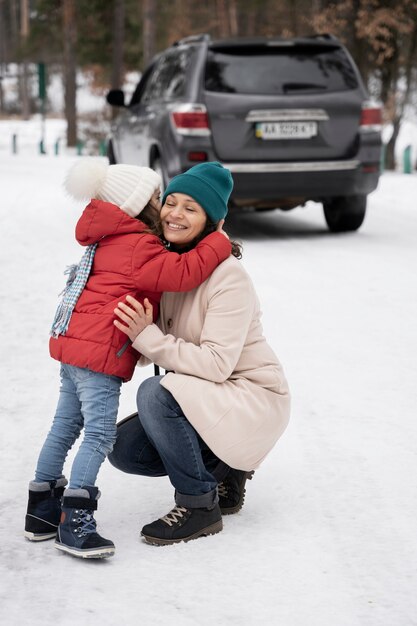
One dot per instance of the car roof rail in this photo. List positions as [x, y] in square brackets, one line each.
[192, 39]
[328, 36]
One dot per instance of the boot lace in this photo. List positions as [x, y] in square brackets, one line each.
[222, 490]
[173, 516]
[86, 521]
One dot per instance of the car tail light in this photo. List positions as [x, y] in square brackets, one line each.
[191, 119]
[370, 169]
[197, 156]
[371, 117]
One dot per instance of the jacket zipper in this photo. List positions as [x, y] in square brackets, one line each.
[123, 348]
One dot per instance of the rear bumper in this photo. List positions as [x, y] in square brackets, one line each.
[287, 184]
[260, 183]
[312, 166]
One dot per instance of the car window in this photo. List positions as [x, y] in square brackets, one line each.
[141, 86]
[268, 71]
[168, 80]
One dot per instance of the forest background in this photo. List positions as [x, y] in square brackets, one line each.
[107, 39]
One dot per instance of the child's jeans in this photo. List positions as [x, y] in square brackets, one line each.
[87, 400]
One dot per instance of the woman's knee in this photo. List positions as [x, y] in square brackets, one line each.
[118, 459]
[149, 397]
[130, 438]
[136, 457]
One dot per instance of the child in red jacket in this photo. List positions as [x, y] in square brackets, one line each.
[124, 256]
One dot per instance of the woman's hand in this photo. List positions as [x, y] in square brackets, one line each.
[135, 317]
[220, 230]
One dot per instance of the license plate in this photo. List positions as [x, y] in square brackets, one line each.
[286, 130]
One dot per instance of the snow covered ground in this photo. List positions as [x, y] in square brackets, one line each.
[327, 536]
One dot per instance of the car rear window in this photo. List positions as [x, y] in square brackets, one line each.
[281, 70]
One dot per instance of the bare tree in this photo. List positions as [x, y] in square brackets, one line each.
[149, 18]
[293, 8]
[70, 70]
[118, 44]
[382, 37]
[234, 24]
[24, 78]
[402, 99]
[222, 18]
[3, 48]
[391, 31]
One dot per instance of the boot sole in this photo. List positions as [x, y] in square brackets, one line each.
[210, 530]
[234, 509]
[34, 520]
[39, 537]
[97, 553]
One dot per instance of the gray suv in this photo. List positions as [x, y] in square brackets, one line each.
[290, 118]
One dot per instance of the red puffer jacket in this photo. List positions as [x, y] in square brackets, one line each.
[127, 261]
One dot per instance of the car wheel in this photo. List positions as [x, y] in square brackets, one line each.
[344, 213]
[110, 153]
[158, 166]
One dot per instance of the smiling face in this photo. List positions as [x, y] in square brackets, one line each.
[182, 219]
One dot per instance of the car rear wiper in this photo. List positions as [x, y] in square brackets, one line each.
[286, 87]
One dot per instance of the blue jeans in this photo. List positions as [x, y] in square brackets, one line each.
[161, 441]
[88, 400]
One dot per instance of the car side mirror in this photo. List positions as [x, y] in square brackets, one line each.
[116, 98]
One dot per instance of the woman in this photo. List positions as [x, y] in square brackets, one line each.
[224, 400]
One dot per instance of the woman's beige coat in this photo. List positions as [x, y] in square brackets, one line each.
[226, 378]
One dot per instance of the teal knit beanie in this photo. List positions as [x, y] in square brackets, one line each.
[210, 184]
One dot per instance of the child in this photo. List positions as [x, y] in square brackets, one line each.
[124, 257]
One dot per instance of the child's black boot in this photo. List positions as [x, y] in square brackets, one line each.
[77, 532]
[44, 509]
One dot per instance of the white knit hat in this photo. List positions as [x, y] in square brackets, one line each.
[128, 186]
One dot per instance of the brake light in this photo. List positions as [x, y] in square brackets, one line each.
[191, 119]
[371, 117]
[197, 156]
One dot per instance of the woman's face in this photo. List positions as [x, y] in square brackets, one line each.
[182, 219]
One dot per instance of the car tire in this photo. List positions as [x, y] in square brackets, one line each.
[345, 213]
[110, 153]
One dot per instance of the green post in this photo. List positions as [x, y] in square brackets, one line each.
[42, 98]
[56, 147]
[80, 147]
[102, 147]
[383, 157]
[407, 160]
[42, 81]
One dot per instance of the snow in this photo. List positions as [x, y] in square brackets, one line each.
[90, 95]
[327, 535]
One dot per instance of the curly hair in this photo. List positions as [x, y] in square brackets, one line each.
[150, 217]
[211, 227]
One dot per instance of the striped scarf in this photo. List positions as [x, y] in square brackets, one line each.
[78, 276]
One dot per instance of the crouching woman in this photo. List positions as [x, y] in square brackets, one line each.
[224, 401]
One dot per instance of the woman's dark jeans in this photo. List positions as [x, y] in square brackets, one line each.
[160, 441]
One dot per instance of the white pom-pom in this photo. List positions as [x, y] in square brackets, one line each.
[85, 178]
